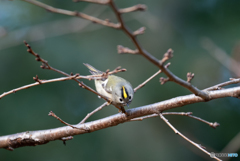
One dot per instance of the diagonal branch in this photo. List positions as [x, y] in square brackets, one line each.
[37, 83]
[72, 13]
[183, 136]
[33, 138]
[219, 86]
[154, 60]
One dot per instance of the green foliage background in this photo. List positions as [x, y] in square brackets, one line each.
[179, 25]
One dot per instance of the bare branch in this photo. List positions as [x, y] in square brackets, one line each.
[122, 50]
[190, 76]
[155, 61]
[139, 31]
[183, 136]
[164, 113]
[81, 84]
[138, 7]
[71, 13]
[163, 80]
[37, 83]
[168, 55]
[93, 112]
[93, 1]
[154, 75]
[219, 86]
[33, 138]
[213, 125]
[189, 114]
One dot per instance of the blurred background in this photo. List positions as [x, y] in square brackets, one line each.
[199, 32]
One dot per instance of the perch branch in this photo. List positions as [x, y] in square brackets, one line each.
[183, 136]
[33, 138]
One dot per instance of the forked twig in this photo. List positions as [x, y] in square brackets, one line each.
[58, 118]
[188, 114]
[183, 136]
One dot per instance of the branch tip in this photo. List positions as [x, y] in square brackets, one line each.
[163, 80]
[138, 7]
[167, 55]
[190, 76]
[214, 125]
[37, 79]
[139, 31]
[124, 50]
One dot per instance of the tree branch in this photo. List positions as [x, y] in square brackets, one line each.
[72, 13]
[183, 136]
[189, 114]
[154, 60]
[33, 138]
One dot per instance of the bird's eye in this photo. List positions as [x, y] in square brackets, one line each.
[129, 97]
[120, 99]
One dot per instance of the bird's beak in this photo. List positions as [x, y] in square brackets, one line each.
[128, 104]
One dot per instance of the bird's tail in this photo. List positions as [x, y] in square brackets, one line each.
[93, 70]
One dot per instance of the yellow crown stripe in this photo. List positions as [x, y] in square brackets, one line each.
[124, 92]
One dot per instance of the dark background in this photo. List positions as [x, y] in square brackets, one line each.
[68, 42]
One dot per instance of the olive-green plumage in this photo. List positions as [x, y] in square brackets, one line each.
[115, 88]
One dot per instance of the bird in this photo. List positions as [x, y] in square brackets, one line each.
[117, 89]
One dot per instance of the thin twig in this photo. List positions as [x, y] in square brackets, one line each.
[219, 86]
[183, 136]
[213, 125]
[72, 13]
[164, 113]
[138, 7]
[58, 118]
[189, 114]
[154, 75]
[45, 65]
[37, 83]
[94, 111]
[123, 50]
[93, 1]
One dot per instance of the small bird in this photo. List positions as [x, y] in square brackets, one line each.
[117, 89]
